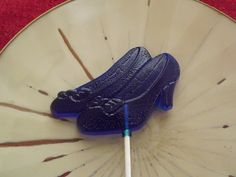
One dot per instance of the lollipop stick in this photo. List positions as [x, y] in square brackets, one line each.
[127, 157]
[127, 144]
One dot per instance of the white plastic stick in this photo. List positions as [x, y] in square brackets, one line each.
[126, 135]
[127, 156]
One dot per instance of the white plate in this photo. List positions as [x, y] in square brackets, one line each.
[197, 138]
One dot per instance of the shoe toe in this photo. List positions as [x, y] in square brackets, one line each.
[64, 108]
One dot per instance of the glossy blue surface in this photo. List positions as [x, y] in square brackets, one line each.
[151, 86]
[136, 82]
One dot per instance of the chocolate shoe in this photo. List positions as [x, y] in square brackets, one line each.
[70, 103]
[152, 86]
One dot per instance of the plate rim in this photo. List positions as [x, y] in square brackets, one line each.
[68, 1]
[31, 22]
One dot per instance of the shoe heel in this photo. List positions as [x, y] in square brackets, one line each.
[165, 99]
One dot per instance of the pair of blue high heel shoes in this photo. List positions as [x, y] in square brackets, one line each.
[137, 79]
